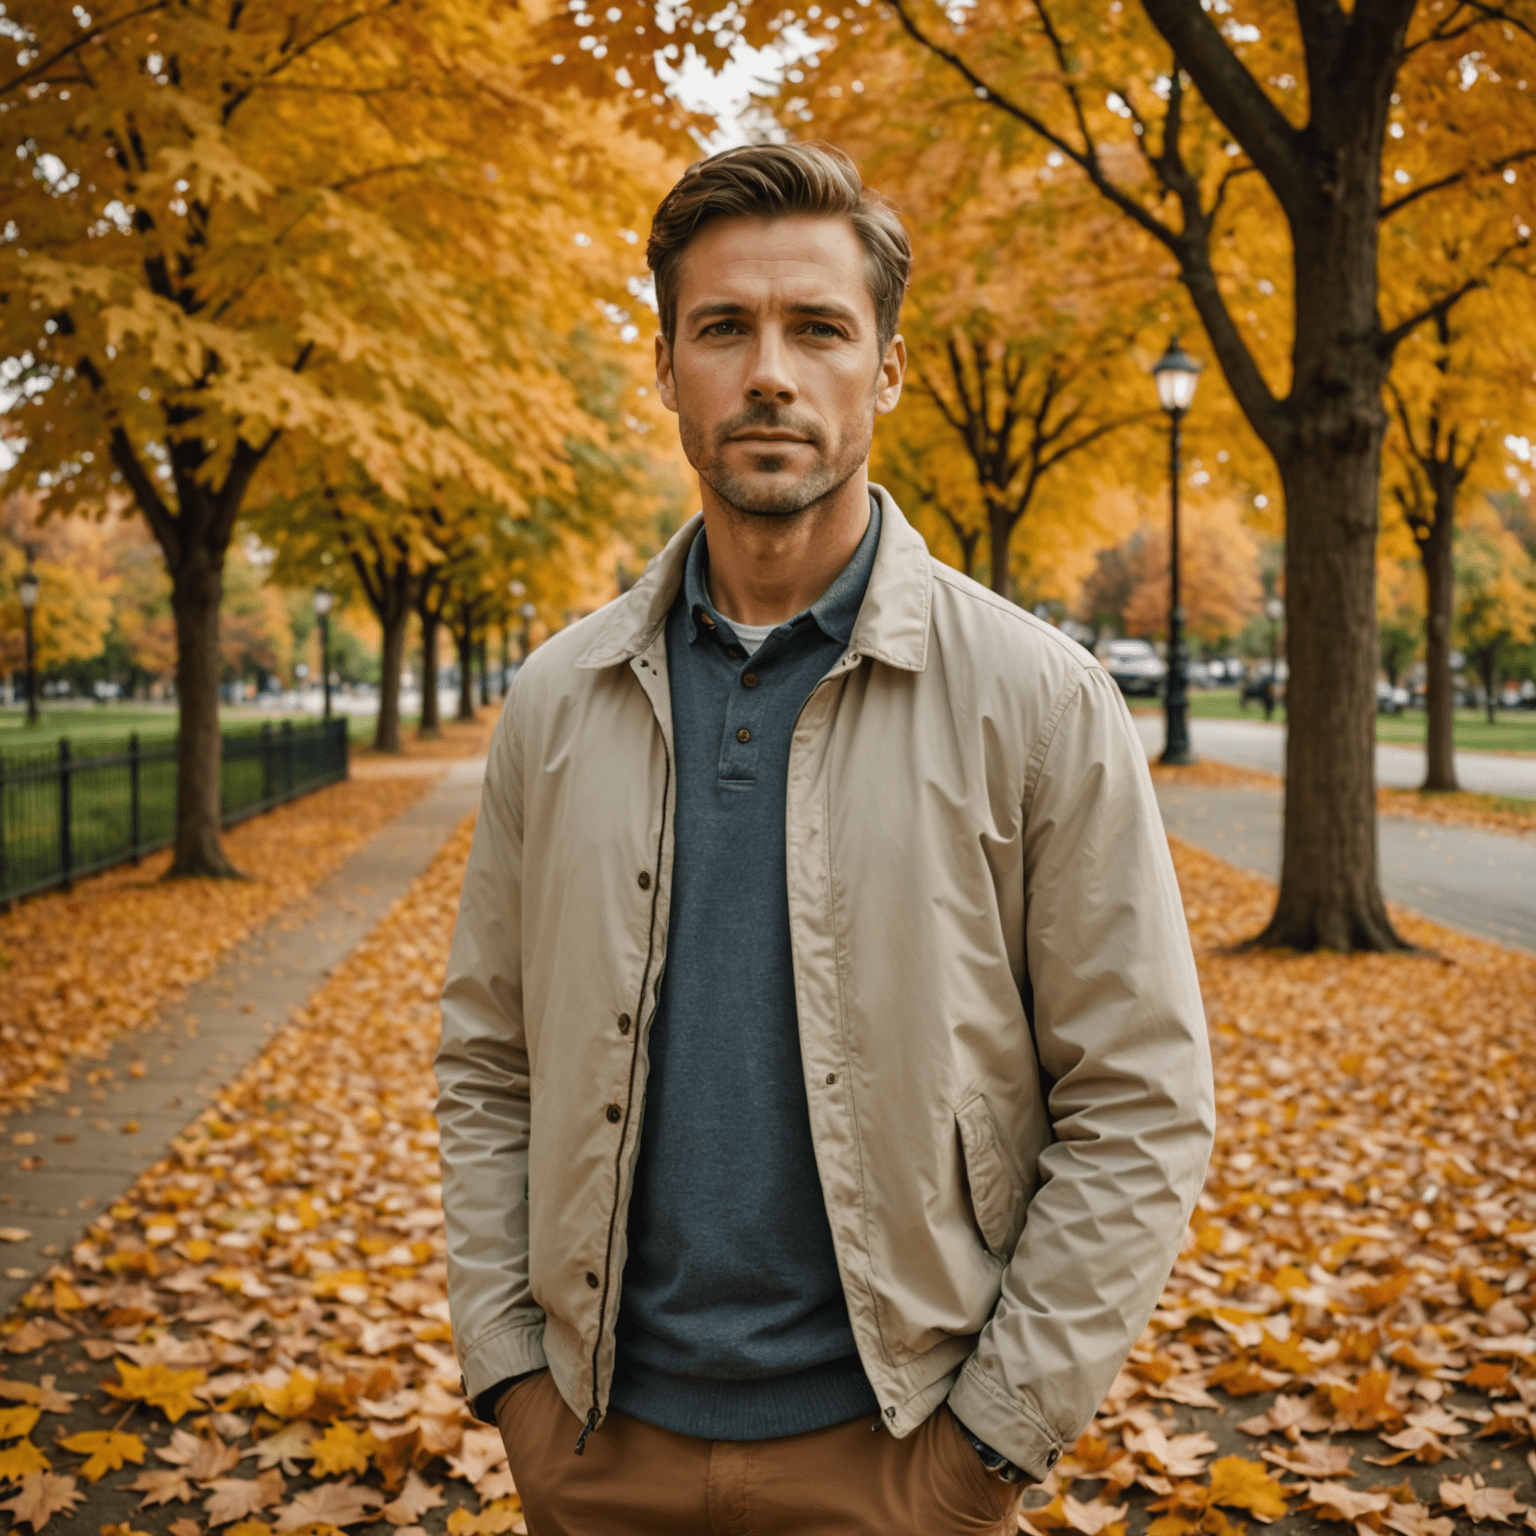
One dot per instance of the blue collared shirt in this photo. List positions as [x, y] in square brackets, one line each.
[732, 1324]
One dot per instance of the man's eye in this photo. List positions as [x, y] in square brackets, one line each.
[821, 329]
[721, 328]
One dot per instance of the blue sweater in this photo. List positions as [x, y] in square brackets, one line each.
[732, 1322]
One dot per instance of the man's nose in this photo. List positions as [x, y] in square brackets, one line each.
[770, 376]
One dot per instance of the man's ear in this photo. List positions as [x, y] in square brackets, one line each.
[666, 385]
[893, 369]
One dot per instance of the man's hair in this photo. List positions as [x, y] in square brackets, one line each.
[779, 181]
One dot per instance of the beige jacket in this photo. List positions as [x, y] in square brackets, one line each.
[970, 823]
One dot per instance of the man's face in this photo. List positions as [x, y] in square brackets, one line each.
[775, 371]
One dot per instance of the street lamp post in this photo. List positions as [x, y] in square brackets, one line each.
[1176, 373]
[323, 601]
[1275, 609]
[26, 590]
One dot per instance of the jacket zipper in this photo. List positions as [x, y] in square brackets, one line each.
[641, 1024]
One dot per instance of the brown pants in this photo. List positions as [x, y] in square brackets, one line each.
[844, 1481]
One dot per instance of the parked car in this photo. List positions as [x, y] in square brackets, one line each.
[1390, 700]
[1133, 664]
[1199, 675]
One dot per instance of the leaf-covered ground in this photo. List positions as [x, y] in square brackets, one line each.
[78, 968]
[257, 1338]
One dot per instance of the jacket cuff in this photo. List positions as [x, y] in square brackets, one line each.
[515, 1349]
[1012, 1427]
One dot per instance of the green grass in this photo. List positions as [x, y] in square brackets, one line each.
[107, 728]
[1513, 731]
[100, 807]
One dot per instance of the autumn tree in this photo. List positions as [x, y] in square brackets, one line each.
[77, 581]
[1496, 607]
[238, 226]
[1458, 388]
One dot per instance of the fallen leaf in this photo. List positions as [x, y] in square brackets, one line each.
[41, 1394]
[201, 1457]
[1241, 1483]
[479, 1451]
[15, 1422]
[14, 1235]
[19, 1459]
[42, 1496]
[1480, 1503]
[161, 1485]
[340, 1504]
[341, 1449]
[161, 1387]
[233, 1498]
[1333, 1501]
[413, 1501]
[105, 1449]
[1308, 1458]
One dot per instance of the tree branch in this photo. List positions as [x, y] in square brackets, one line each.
[1455, 178]
[87, 34]
[1273, 145]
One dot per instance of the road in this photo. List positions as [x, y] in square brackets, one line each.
[1255, 744]
[1483, 883]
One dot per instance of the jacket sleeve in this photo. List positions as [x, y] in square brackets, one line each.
[1120, 1030]
[483, 1091]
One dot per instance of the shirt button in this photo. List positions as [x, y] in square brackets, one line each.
[614, 1113]
[592, 1280]
[624, 1022]
[831, 1078]
[733, 652]
[749, 679]
[743, 735]
[645, 879]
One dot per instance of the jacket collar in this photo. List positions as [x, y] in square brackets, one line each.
[892, 625]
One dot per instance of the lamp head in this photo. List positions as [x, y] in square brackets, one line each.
[323, 600]
[1275, 609]
[26, 590]
[1176, 373]
[529, 611]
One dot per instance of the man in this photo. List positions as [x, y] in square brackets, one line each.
[824, 1083]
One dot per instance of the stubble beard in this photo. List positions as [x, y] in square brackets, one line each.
[763, 493]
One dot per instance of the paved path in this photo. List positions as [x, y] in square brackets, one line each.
[1480, 882]
[1255, 744]
[190, 1049]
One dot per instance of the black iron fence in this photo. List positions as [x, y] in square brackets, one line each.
[72, 810]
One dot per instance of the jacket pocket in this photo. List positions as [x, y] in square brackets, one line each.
[998, 1188]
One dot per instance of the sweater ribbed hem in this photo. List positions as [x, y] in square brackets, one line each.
[769, 1409]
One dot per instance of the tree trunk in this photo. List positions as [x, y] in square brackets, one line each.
[386, 735]
[464, 636]
[1435, 552]
[485, 672]
[1330, 896]
[196, 592]
[430, 725]
[1000, 524]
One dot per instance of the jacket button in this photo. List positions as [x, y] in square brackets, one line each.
[592, 1280]
[645, 879]
[624, 1022]
[831, 1077]
[749, 679]
[614, 1113]
[743, 735]
[1052, 1457]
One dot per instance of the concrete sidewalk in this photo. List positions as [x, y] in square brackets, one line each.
[1255, 744]
[1483, 883]
[76, 1153]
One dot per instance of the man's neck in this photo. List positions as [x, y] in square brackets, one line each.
[764, 570]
